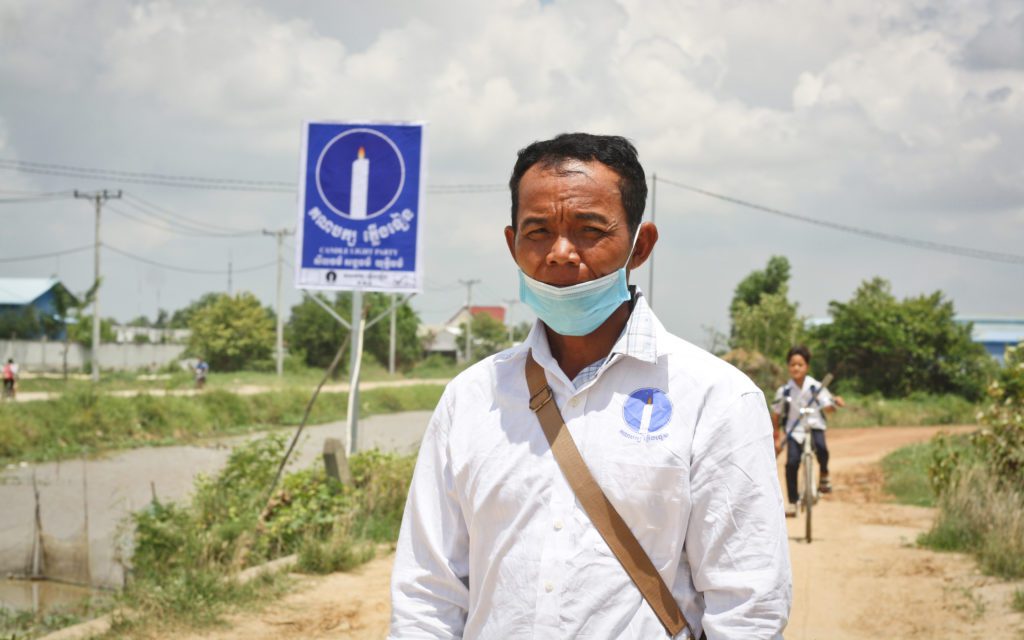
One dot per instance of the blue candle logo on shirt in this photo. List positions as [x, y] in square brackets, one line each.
[645, 412]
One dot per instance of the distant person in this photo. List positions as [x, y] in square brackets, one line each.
[789, 399]
[201, 369]
[10, 378]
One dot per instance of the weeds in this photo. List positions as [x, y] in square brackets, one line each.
[186, 554]
[917, 409]
[19, 624]
[1017, 600]
[906, 475]
[84, 421]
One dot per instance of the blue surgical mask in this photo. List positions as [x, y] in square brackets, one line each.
[579, 309]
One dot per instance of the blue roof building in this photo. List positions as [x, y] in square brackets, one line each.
[35, 295]
[996, 333]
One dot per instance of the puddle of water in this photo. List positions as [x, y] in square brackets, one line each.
[41, 596]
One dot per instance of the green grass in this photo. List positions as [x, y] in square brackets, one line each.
[981, 516]
[84, 421]
[906, 475]
[914, 410]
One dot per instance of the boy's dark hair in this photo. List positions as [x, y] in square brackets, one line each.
[799, 350]
[616, 152]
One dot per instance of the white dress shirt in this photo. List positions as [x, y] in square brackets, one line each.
[494, 543]
[799, 397]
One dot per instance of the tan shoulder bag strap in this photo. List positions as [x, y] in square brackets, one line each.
[606, 519]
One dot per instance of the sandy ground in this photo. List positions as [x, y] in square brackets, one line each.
[860, 578]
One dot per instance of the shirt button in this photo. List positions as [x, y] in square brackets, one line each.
[574, 402]
[558, 525]
[549, 586]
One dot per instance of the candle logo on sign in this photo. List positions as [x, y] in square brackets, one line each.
[360, 173]
[646, 411]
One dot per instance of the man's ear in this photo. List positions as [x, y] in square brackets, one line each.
[645, 242]
[510, 240]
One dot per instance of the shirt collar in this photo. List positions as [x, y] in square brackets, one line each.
[638, 339]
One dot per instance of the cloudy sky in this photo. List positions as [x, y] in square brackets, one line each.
[903, 118]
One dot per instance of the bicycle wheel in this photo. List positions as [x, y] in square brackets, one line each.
[809, 491]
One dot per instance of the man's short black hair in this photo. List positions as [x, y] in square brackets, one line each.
[615, 152]
[799, 350]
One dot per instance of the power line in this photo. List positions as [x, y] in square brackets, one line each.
[34, 197]
[172, 267]
[202, 182]
[928, 245]
[166, 180]
[201, 225]
[52, 254]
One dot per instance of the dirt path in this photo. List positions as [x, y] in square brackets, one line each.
[861, 578]
[243, 390]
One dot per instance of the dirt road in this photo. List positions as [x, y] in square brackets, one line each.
[862, 578]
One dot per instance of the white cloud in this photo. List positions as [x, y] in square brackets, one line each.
[906, 117]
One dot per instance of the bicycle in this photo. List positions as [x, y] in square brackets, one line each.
[807, 481]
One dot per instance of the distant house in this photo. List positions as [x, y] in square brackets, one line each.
[34, 295]
[996, 334]
[124, 333]
[442, 339]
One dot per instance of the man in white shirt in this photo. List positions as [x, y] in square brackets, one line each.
[494, 543]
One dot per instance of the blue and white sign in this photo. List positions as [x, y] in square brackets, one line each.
[360, 206]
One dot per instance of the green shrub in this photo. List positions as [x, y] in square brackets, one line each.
[979, 514]
[338, 553]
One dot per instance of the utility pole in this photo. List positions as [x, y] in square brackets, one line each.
[469, 309]
[98, 198]
[650, 269]
[279, 234]
[391, 346]
[509, 303]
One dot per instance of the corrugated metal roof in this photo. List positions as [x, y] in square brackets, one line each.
[20, 291]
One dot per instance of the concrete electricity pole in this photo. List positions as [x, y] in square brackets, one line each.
[509, 303]
[279, 234]
[391, 346]
[469, 323]
[98, 198]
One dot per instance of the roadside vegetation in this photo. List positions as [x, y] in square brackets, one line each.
[187, 555]
[21, 624]
[85, 421]
[975, 480]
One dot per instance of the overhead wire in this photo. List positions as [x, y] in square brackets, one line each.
[51, 254]
[171, 267]
[929, 245]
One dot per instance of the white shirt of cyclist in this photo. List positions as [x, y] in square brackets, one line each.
[798, 399]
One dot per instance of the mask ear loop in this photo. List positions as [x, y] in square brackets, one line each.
[636, 236]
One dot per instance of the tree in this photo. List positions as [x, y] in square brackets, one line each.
[20, 323]
[763, 318]
[314, 332]
[877, 343]
[773, 279]
[182, 318]
[489, 336]
[81, 331]
[377, 339]
[232, 332]
[140, 321]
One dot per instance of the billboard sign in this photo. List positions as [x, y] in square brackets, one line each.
[361, 206]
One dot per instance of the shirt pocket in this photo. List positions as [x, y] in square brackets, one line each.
[652, 501]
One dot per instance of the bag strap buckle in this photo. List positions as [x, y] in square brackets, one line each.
[541, 398]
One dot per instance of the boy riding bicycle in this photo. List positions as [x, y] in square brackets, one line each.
[789, 400]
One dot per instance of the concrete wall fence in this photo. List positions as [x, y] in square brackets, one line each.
[41, 355]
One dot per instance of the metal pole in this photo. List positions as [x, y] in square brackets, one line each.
[354, 360]
[96, 300]
[280, 319]
[469, 323]
[650, 269]
[391, 347]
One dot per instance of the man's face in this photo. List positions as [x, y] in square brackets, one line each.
[571, 226]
